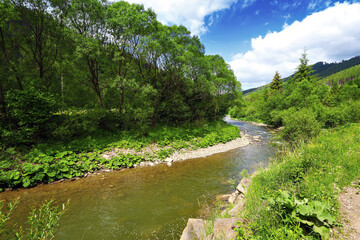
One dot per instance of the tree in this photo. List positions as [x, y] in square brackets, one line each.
[9, 46]
[303, 70]
[276, 85]
[87, 22]
[38, 36]
[225, 85]
[129, 26]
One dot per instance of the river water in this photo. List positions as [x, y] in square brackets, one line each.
[145, 202]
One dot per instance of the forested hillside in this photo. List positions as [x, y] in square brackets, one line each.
[351, 74]
[323, 70]
[69, 68]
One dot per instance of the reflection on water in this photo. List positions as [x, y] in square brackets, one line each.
[148, 202]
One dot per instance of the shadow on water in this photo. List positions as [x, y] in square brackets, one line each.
[145, 202]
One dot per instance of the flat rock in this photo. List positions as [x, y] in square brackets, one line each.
[195, 229]
[243, 185]
[223, 197]
[224, 228]
[239, 206]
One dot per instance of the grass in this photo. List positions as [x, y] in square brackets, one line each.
[48, 162]
[296, 197]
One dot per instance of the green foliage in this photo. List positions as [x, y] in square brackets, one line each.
[116, 64]
[276, 85]
[350, 74]
[5, 215]
[48, 162]
[40, 225]
[305, 105]
[303, 71]
[300, 125]
[314, 214]
[296, 197]
[32, 113]
[244, 173]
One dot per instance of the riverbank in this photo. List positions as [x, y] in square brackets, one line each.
[243, 141]
[46, 163]
[300, 195]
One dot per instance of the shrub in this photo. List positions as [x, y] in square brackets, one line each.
[32, 113]
[300, 125]
[332, 117]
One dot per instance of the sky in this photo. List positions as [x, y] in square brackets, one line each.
[259, 37]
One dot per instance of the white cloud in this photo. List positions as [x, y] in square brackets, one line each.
[190, 13]
[330, 35]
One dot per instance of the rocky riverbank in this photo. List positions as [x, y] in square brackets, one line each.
[223, 227]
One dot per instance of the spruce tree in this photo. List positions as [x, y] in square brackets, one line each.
[276, 85]
[303, 70]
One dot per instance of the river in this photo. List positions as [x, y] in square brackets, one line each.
[145, 202]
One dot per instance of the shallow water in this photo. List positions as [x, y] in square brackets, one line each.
[145, 202]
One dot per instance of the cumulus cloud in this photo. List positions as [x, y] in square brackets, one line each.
[190, 13]
[330, 35]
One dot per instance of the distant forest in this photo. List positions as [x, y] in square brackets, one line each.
[323, 69]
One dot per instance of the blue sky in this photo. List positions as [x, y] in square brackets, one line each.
[233, 28]
[259, 37]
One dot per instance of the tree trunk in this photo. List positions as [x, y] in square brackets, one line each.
[95, 80]
[98, 94]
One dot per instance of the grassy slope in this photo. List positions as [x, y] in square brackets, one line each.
[58, 160]
[300, 188]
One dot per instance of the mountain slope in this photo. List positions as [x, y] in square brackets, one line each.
[323, 70]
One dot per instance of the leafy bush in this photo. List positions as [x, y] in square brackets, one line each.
[77, 122]
[32, 112]
[333, 117]
[315, 215]
[300, 125]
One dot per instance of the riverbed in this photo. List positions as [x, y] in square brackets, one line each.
[145, 202]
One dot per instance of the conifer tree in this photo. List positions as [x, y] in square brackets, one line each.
[276, 85]
[303, 70]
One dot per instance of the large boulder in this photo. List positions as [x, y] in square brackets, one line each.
[195, 229]
[238, 207]
[243, 185]
[225, 228]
